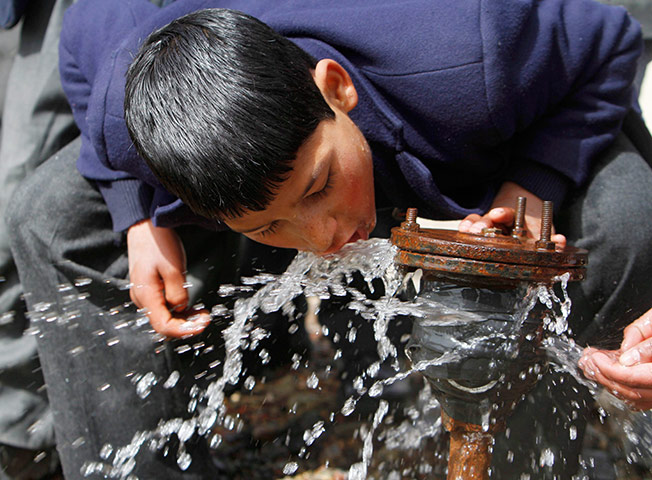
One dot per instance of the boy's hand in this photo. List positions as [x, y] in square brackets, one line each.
[157, 265]
[627, 372]
[501, 214]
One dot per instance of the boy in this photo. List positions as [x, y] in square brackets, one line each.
[455, 108]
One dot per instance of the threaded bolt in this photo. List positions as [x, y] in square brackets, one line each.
[410, 222]
[544, 241]
[519, 229]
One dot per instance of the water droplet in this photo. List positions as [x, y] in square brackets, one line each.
[572, 432]
[78, 442]
[309, 436]
[376, 389]
[82, 281]
[547, 458]
[187, 430]
[312, 381]
[290, 468]
[349, 406]
[7, 318]
[250, 383]
[106, 451]
[215, 441]
[264, 356]
[76, 351]
[352, 334]
[172, 379]
[145, 384]
[184, 460]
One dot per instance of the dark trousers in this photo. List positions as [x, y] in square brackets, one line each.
[36, 123]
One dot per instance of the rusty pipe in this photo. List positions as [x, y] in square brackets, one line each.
[470, 453]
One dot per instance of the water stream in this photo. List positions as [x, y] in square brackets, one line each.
[333, 277]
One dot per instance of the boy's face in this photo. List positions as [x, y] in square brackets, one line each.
[327, 200]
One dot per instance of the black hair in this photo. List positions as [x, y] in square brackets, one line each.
[218, 104]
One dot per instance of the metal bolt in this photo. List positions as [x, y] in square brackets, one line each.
[410, 224]
[491, 231]
[544, 242]
[519, 230]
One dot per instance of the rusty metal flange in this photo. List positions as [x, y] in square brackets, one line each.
[457, 255]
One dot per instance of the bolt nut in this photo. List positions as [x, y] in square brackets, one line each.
[545, 245]
[491, 232]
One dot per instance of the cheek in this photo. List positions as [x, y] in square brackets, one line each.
[358, 189]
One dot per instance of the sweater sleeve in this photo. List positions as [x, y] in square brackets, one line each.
[558, 77]
[11, 12]
[82, 64]
[95, 56]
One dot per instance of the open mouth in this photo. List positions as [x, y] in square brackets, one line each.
[360, 234]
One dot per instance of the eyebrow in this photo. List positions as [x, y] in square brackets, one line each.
[315, 176]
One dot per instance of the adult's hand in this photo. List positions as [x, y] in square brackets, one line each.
[157, 265]
[501, 215]
[627, 372]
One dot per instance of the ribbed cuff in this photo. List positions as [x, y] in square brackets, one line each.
[128, 201]
[542, 181]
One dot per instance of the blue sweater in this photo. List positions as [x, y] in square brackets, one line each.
[456, 97]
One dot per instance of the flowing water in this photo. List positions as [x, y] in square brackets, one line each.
[331, 277]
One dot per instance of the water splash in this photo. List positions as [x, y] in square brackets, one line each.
[324, 278]
[309, 275]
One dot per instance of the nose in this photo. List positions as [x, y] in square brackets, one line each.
[318, 234]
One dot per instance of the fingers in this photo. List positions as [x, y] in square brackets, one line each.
[176, 294]
[559, 239]
[631, 384]
[637, 331]
[500, 217]
[164, 322]
[179, 326]
[640, 353]
[156, 298]
[496, 217]
[466, 224]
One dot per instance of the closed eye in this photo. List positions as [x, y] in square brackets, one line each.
[269, 230]
[325, 189]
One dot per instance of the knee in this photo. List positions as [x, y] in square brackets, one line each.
[617, 209]
[37, 205]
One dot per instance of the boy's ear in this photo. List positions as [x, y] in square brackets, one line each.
[335, 84]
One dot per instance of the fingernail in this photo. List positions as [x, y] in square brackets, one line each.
[630, 358]
[193, 323]
[464, 224]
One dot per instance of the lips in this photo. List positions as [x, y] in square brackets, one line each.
[355, 237]
[362, 233]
